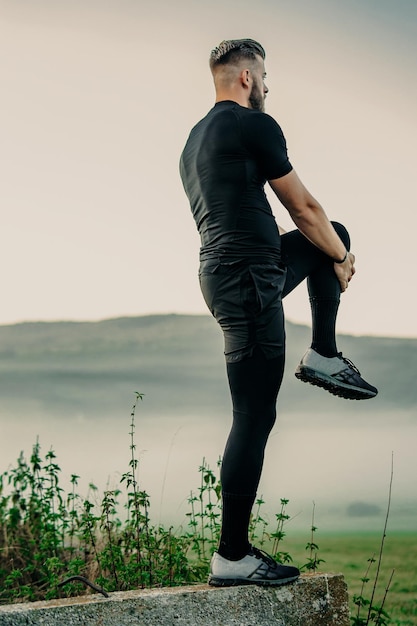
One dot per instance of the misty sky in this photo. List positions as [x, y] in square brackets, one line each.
[97, 99]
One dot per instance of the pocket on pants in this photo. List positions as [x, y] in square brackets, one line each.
[220, 286]
[262, 286]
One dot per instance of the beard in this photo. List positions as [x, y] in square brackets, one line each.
[257, 99]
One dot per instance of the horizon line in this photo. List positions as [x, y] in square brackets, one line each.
[179, 314]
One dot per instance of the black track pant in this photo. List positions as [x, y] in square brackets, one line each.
[247, 303]
[255, 379]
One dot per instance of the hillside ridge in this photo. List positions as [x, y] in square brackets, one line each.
[93, 367]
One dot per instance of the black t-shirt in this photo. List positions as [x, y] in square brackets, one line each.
[228, 157]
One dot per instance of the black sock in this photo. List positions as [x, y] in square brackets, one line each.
[324, 313]
[236, 510]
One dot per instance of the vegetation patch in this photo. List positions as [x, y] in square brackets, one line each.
[55, 544]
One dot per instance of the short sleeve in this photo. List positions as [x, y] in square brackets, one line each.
[265, 140]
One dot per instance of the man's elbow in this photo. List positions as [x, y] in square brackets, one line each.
[305, 212]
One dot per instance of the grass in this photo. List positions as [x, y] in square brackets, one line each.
[349, 553]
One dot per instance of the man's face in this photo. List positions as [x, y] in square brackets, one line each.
[259, 89]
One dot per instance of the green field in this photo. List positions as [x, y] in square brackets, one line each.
[349, 554]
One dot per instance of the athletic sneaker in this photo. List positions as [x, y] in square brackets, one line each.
[335, 374]
[256, 568]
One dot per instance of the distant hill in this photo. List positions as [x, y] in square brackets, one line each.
[93, 368]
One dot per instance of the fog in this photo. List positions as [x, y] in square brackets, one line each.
[331, 460]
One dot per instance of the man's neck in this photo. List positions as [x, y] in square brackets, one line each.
[239, 98]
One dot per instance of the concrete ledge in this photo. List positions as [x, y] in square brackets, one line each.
[314, 600]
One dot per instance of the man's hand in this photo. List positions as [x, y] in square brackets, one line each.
[344, 271]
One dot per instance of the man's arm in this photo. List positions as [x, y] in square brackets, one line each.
[309, 217]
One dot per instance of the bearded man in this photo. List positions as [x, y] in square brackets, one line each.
[247, 266]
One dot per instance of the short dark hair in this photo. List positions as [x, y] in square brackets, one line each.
[233, 50]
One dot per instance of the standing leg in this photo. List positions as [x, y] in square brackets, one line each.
[246, 302]
[254, 385]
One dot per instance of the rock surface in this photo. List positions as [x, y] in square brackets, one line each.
[314, 600]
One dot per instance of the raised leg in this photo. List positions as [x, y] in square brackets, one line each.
[322, 364]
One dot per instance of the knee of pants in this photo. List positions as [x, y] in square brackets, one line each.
[343, 233]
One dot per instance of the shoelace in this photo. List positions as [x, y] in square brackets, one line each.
[260, 554]
[349, 363]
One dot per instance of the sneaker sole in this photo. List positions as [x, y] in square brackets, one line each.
[215, 581]
[337, 388]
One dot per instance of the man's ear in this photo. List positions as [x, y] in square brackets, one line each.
[245, 78]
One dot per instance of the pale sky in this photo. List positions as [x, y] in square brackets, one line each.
[97, 99]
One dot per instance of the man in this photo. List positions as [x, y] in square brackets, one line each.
[246, 268]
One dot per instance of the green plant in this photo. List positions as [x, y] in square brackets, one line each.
[51, 543]
[204, 516]
[313, 560]
[278, 535]
[375, 613]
